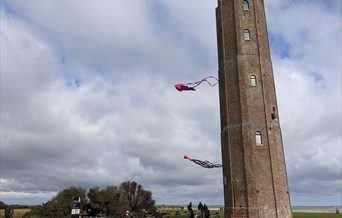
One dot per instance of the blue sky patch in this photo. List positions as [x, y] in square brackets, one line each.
[74, 83]
[278, 45]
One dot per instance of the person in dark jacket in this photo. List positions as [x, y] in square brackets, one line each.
[200, 209]
[9, 212]
[206, 211]
[191, 213]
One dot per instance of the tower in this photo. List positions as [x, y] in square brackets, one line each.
[254, 173]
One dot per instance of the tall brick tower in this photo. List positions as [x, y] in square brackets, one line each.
[254, 173]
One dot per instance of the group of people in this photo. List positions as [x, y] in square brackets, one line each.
[203, 211]
[9, 212]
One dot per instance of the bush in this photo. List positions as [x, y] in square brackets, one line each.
[110, 201]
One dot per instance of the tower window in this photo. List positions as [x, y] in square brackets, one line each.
[245, 5]
[274, 113]
[253, 81]
[247, 34]
[258, 140]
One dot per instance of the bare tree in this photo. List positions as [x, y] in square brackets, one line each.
[135, 198]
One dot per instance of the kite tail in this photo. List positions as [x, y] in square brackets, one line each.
[206, 80]
[212, 78]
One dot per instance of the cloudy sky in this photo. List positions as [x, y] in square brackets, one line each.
[87, 97]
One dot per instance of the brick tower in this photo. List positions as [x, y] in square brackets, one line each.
[254, 173]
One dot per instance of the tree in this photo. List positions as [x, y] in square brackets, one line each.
[111, 200]
[112, 197]
[104, 200]
[135, 198]
[95, 197]
[2, 205]
[60, 205]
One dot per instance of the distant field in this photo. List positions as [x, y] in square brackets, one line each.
[172, 213]
[17, 213]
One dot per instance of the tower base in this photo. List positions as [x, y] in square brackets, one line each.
[239, 214]
[259, 213]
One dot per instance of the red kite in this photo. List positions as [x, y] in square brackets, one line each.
[191, 86]
[205, 164]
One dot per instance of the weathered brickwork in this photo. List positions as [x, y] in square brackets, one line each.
[255, 180]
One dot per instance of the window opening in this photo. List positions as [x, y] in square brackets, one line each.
[274, 114]
[247, 34]
[258, 140]
[253, 81]
[245, 5]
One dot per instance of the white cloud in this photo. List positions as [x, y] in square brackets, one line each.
[87, 98]
[308, 78]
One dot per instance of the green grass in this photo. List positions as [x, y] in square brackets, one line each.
[316, 215]
[171, 213]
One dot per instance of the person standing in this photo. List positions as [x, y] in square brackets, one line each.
[200, 209]
[157, 214]
[144, 213]
[9, 212]
[191, 213]
[206, 211]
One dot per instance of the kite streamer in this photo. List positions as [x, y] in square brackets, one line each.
[191, 86]
[205, 164]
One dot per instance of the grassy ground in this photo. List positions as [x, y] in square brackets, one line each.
[219, 214]
[17, 213]
[316, 215]
[172, 213]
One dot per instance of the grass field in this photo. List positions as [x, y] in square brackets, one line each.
[316, 215]
[17, 213]
[172, 213]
